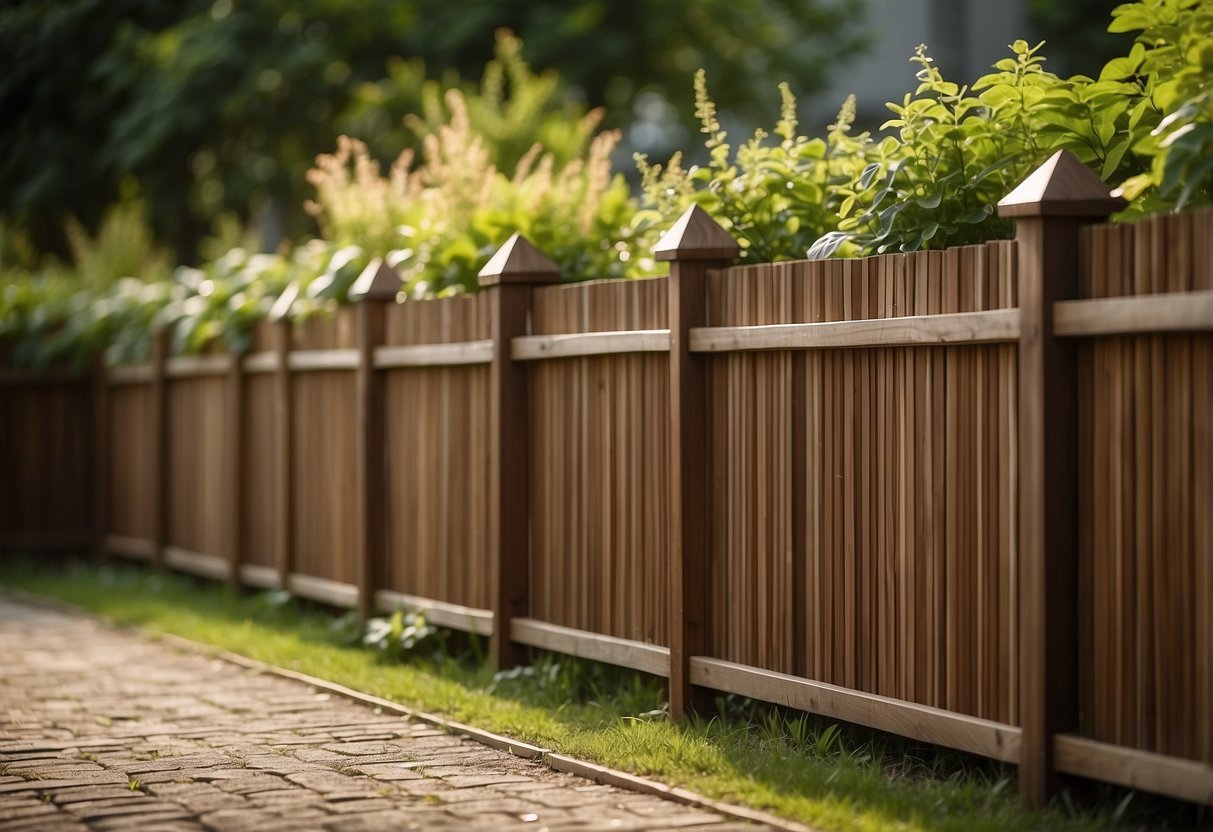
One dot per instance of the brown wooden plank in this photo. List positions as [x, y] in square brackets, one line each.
[1050, 207]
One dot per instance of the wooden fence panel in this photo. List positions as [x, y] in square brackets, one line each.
[751, 417]
[599, 427]
[437, 458]
[46, 455]
[1146, 487]
[198, 512]
[260, 465]
[323, 456]
[864, 537]
[131, 478]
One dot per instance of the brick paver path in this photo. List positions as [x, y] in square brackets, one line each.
[103, 729]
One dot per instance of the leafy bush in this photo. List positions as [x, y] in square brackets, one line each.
[955, 155]
[1172, 64]
[1146, 122]
[773, 198]
[438, 222]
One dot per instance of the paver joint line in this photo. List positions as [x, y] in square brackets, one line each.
[220, 741]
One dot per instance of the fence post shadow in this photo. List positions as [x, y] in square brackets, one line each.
[1050, 207]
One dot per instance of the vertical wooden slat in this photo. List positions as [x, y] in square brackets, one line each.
[1049, 207]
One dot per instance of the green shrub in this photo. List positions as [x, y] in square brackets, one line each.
[440, 219]
[1171, 63]
[954, 156]
[774, 199]
[1146, 124]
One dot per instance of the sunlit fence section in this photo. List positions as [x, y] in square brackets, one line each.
[963, 496]
[1145, 420]
[863, 502]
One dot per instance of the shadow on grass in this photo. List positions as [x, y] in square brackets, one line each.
[794, 764]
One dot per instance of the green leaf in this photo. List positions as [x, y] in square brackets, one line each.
[1196, 177]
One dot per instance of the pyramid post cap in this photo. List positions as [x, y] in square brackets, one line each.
[1062, 187]
[378, 281]
[518, 261]
[696, 236]
[281, 310]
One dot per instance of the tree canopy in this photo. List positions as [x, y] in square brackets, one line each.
[221, 105]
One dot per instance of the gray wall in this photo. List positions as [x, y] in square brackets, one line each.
[963, 36]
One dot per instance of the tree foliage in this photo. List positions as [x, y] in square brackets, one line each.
[219, 106]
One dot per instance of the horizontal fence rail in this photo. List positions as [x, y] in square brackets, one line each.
[1172, 312]
[991, 327]
[960, 496]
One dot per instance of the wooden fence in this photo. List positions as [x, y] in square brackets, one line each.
[961, 496]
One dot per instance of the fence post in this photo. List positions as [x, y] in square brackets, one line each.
[284, 518]
[508, 278]
[101, 452]
[235, 462]
[160, 447]
[1050, 207]
[374, 289]
[694, 245]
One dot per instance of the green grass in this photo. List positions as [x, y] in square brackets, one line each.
[793, 765]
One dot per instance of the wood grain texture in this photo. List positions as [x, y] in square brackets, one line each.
[1146, 500]
[158, 430]
[377, 284]
[199, 465]
[259, 469]
[1050, 208]
[598, 450]
[689, 498]
[437, 456]
[47, 437]
[435, 355]
[920, 722]
[534, 347]
[131, 476]
[1171, 312]
[984, 327]
[637, 655]
[509, 301]
[863, 505]
[322, 456]
[1133, 769]
[283, 426]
